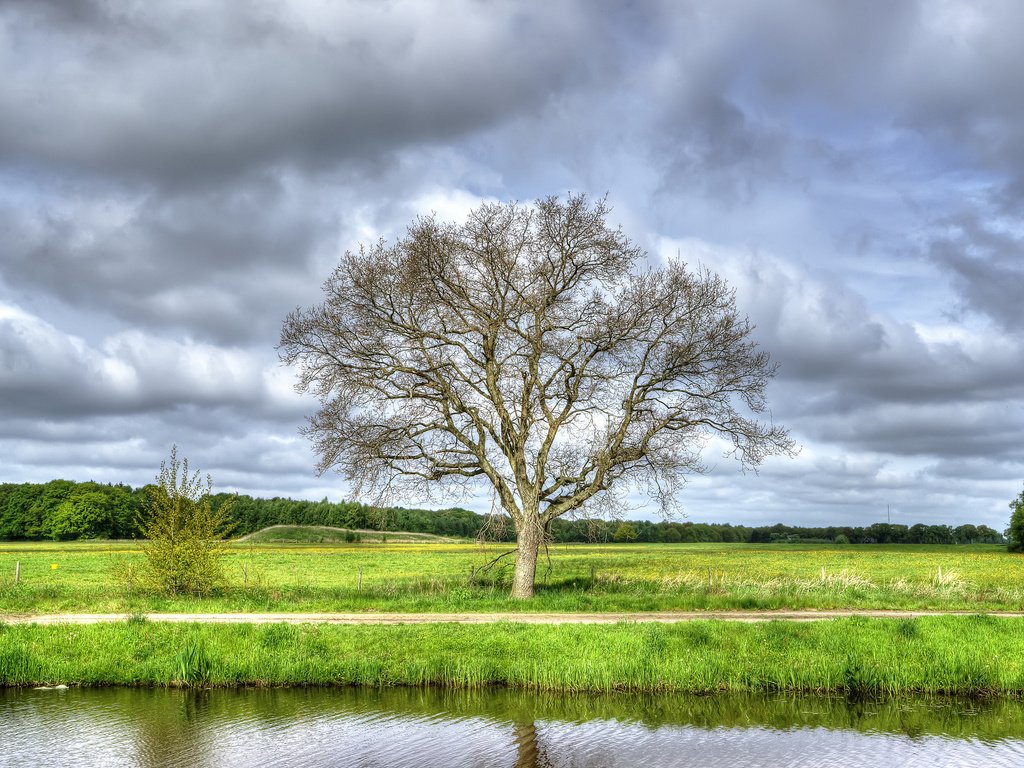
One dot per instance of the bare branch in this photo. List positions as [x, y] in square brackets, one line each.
[522, 351]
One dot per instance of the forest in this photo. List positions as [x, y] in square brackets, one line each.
[64, 510]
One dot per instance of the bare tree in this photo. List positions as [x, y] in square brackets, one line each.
[524, 350]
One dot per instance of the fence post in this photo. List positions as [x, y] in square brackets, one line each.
[359, 580]
[17, 572]
[245, 576]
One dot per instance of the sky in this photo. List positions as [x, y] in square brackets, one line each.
[176, 177]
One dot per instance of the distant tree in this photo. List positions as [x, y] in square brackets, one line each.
[988, 535]
[522, 350]
[966, 534]
[184, 533]
[885, 533]
[686, 533]
[84, 514]
[1016, 530]
[938, 534]
[917, 534]
[47, 498]
[625, 532]
[15, 503]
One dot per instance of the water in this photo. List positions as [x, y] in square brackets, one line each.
[366, 728]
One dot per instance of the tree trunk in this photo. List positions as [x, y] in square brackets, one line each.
[528, 541]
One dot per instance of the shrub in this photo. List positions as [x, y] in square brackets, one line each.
[185, 534]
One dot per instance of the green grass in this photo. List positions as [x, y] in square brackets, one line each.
[969, 655]
[432, 577]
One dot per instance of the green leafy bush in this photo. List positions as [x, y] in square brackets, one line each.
[1016, 532]
[185, 534]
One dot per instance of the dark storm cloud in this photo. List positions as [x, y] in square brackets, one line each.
[748, 93]
[992, 430]
[223, 264]
[733, 75]
[987, 267]
[73, 13]
[202, 91]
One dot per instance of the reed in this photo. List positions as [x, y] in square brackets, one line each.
[193, 666]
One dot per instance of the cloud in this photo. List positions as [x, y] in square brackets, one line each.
[190, 91]
[176, 177]
[986, 264]
[53, 375]
[226, 264]
[853, 377]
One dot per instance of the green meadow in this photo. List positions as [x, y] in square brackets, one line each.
[101, 576]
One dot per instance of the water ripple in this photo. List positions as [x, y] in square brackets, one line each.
[374, 729]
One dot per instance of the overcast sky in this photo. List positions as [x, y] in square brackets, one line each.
[175, 177]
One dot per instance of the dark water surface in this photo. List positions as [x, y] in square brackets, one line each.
[413, 727]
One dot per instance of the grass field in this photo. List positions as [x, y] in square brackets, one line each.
[103, 576]
[972, 655]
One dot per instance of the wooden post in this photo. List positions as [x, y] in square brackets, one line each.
[593, 574]
[245, 576]
[17, 572]
[823, 574]
[359, 580]
[940, 574]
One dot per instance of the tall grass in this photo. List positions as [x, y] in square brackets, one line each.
[941, 655]
[193, 666]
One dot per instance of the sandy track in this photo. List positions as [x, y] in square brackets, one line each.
[480, 618]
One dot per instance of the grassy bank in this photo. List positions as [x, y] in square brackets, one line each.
[423, 577]
[949, 655]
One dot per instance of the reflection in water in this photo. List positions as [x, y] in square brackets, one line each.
[423, 727]
[528, 749]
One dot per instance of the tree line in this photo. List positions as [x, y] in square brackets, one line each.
[65, 510]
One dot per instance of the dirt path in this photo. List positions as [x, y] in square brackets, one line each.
[665, 617]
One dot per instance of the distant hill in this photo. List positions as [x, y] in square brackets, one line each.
[325, 534]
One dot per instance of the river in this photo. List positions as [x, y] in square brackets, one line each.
[360, 727]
